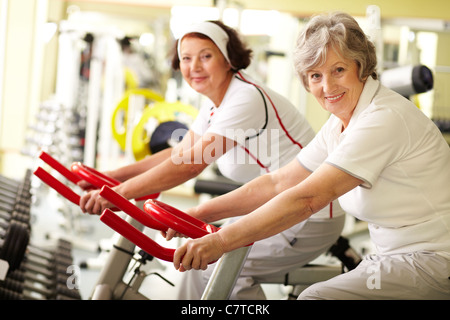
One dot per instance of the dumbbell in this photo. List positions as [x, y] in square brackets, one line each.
[21, 192]
[9, 182]
[20, 196]
[57, 263]
[15, 186]
[61, 253]
[18, 204]
[14, 240]
[16, 249]
[42, 272]
[55, 260]
[33, 288]
[6, 216]
[15, 207]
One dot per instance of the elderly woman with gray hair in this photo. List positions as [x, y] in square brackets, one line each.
[378, 154]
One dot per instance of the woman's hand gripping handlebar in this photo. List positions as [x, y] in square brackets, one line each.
[156, 215]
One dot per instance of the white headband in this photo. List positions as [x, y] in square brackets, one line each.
[212, 31]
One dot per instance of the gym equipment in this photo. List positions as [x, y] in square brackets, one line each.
[14, 220]
[154, 210]
[145, 142]
[119, 119]
[15, 240]
[30, 272]
[41, 276]
[77, 173]
[408, 80]
[147, 139]
[215, 188]
[164, 136]
[110, 284]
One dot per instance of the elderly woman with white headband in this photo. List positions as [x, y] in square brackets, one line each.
[249, 130]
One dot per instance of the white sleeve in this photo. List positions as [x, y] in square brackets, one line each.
[377, 140]
[242, 115]
[316, 151]
[200, 124]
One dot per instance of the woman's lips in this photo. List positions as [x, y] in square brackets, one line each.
[335, 98]
[198, 79]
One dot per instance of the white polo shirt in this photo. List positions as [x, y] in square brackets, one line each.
[404, 162]
[269, 129]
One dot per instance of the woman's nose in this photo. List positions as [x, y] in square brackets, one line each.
[328, 84]
[195, 64]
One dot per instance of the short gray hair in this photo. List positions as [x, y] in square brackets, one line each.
[336, 30]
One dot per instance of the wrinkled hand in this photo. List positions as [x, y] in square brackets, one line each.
[198, 253]
[93, 203]
[85, 185]
[170, 234]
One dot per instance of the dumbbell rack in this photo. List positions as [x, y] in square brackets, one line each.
[28, 272]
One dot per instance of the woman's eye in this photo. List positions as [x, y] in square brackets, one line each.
[340, 69]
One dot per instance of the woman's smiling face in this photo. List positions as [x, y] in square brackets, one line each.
[204, 67]
[336, 85]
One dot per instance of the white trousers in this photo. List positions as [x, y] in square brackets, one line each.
[417, 275]
[277, 255]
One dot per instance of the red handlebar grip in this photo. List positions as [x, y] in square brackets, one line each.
[93, 176]
[134, 235]
[59, 167]
[57, 185]
[130, 209]
[175, 219]
[98, 179]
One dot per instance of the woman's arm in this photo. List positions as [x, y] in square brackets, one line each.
[248, 197]
[252, 194]
[288, 208]
[186, 161]
[129, 171]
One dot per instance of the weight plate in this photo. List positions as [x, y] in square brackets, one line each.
[15, 243]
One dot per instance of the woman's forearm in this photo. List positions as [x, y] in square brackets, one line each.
[129, 171]
[251, 195]
[182, 163]
[290, 207]
[275, 216]
[237, 202]
[163, 177]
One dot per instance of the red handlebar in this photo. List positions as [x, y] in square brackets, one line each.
[99, 179]
[129, 208]
[156, 215]
[93, 176]
[59, 167]
[57, 185]
[134, 235]
[178, 220]
[77, 173]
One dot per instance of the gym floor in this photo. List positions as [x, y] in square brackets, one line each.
[54, 217]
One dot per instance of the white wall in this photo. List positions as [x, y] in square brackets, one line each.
[22, 73]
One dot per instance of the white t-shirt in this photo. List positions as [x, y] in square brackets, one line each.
[404, 162]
